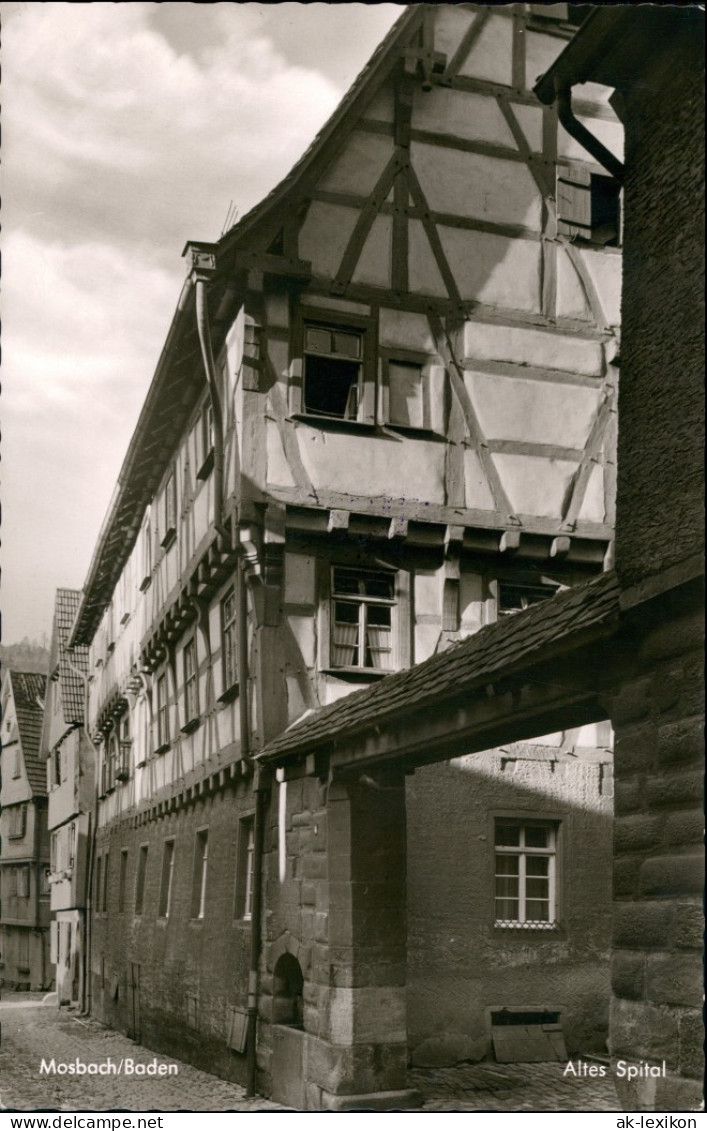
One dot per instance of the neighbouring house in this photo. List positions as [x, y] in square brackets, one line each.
[70, 781]
[382, 427]
[654, 58]
[24, 843]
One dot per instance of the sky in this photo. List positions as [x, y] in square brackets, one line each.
[128, 129]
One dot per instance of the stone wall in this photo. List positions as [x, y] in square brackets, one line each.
[660, 517]
[193, 972]
[659, 864]
[460, 966]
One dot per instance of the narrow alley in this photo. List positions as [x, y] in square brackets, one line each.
[38, 1040]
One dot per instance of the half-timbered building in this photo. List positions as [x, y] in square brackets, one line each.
[25, 961]
[384, 418]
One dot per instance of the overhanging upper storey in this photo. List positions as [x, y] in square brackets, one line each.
[429, 306]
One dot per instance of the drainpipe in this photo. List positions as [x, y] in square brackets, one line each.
[251, 1036]
[582, 135]
[202, 321]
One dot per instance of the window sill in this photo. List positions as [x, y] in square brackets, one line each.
[334, 423]
[170, 538]
[414, 432]
[521, 928]
[191, 726]
[207, 466]
[229, 694]
[163, 748]
[366, 675]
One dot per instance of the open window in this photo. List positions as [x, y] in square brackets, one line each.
[169, 505]
[516, 596]
[205, 441]
[588, 206]
[337, 382]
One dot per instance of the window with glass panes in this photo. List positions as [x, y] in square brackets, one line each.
[191, 692]
[525, 873]
[229, 639]
[162, 713]
[362, 618]
[244, 873]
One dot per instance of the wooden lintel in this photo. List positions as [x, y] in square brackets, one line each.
[274, 264]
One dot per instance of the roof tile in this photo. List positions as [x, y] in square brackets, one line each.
[495, 650]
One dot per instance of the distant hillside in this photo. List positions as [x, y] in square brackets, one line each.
[27, 656]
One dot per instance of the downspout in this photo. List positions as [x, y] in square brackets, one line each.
[252, 1030]
[260, 790]
[582, 135]
[202, 318]
[202, 321]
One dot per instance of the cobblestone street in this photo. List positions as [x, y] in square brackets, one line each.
[32, 1031]
[512, 1087]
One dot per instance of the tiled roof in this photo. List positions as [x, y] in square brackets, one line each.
[494, 651]
[69, 661]
[28, 695]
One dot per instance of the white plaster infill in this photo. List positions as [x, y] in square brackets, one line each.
[543, 349]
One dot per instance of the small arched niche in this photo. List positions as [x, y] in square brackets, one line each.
[287, 986]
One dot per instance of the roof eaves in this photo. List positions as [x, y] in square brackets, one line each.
[377, 67]
[499, 647]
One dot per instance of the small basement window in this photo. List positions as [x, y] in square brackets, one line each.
[588, 206]
[333, 371]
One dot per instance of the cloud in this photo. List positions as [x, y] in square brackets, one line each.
[82, 329]
[109, 128]
[127, 129]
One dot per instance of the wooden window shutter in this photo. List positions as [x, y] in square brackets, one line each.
[574, 202]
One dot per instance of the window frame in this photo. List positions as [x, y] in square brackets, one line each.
[140, 877]
[200, 873]
[435, 402]
[229, 628]
[164, 906]
[18, 821]
[205, 440]
[245, 866]
[169, 509]
[162, 720]
[191, 684]
[576, 204]
[332, 320]
[401, 645]
[552, 853]
[122, 880]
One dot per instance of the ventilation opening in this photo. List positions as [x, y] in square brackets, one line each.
[527, 1036]
[506, 1017]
